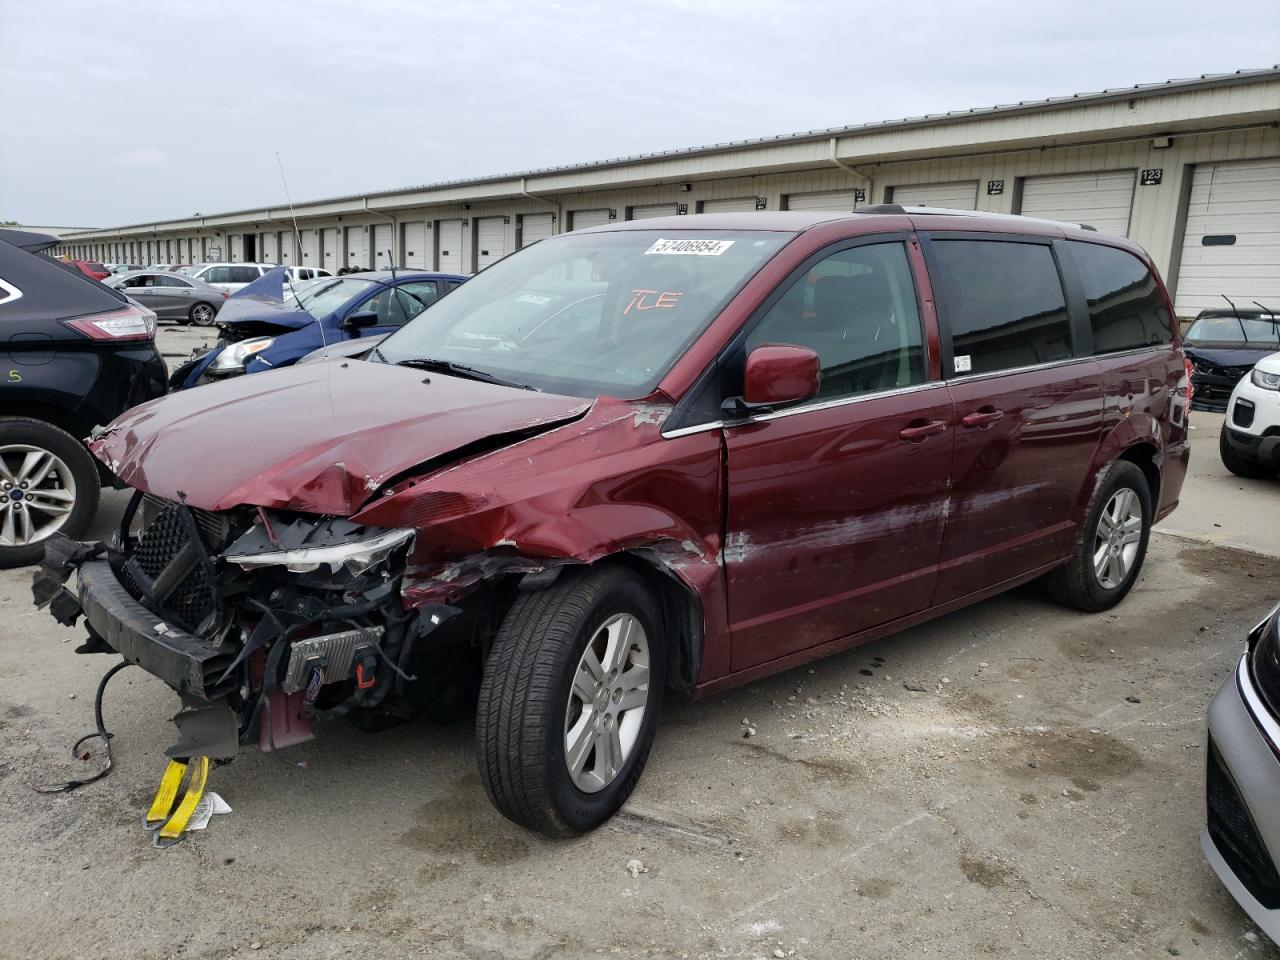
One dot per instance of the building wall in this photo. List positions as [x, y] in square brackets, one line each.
[1112, 136]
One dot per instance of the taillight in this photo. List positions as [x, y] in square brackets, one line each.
[127, 323]
[225, 295]
[1191, 387]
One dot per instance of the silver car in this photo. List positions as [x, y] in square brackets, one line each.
[171, 296]
[1242, 835]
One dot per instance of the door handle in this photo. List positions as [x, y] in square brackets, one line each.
[981, 418]
[921, 429]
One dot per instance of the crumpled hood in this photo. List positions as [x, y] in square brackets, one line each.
[317, 437]
[262, 302]
[1225, 355]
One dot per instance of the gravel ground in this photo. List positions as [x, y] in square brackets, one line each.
[1014, 780]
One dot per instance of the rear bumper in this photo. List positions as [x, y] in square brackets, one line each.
[190, 665]
[1242, 835]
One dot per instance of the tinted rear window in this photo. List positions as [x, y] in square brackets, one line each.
[1126, 309]
[1003, 303]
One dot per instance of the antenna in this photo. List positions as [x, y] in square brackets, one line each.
[297, 246]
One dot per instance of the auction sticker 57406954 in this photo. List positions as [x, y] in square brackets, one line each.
[691, 248]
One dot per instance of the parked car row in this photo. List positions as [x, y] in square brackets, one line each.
[680, 453]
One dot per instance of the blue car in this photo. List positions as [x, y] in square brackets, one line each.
[268, 325]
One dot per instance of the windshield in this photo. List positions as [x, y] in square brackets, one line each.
[588, 314]
[1265, 331]
[322, 298]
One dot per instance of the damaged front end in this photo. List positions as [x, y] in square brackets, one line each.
[262, 620]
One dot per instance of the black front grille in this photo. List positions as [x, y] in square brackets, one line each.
[1235, 836]
[168, 571]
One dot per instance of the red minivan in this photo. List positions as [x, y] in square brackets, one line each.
[677, 453]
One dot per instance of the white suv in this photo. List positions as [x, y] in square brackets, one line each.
[229, 276]
[1250, 442]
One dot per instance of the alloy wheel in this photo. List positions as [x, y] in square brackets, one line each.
[1117, 539]
[37, 494]
[202, 314]
[607, 703]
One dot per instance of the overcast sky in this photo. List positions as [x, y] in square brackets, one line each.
[129, 112]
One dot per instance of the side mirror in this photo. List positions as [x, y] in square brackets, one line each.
[777, 375]
[365, 318]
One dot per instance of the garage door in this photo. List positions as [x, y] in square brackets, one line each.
[535, 227]
[1232, 242]
[270, 249]
[236, 242]
[449, 245]
[310, 256]
[358, 247]
[491, 241]
[1102, 200]
[329, 249]
[581, 219]
[649, 211]
[734, 205]
[954, 196]
[415, 244]
[383, 256]
[287, 244]
[839, 200]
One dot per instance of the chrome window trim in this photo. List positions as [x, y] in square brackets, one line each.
[11, 292]
[967, 378]
[804, 408]
[1261, 715]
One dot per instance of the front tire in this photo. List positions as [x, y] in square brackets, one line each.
[570, 700]
[1240, 465]
[1111, 543]
[48, 484]
[201, 314]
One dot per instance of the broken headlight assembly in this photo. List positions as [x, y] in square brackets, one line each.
[358, 549]
[235, 355]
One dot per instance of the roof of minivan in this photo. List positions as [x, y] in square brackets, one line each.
[794, 221]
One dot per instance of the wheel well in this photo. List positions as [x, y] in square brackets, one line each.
[60, 417]
[1143, 456]
[681, 614]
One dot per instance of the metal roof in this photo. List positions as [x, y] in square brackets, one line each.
[1022, 106]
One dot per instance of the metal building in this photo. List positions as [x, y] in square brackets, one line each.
[1190, 169]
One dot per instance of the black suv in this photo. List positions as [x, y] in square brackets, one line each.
[73, 354]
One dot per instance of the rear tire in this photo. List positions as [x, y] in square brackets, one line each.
[202, 314]
[1241, 465]
[1110, 545]
[539, 704]
[66, 475]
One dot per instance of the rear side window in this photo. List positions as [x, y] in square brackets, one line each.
[243, 274]
[1126, 309]
[1003, 303]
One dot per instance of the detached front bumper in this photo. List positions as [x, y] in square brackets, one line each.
[190, 665]
[1242, 837]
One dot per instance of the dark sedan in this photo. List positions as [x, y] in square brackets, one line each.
[1223, 345]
